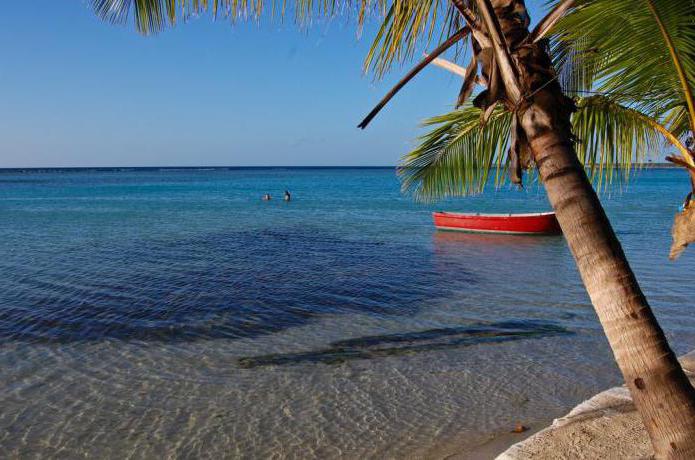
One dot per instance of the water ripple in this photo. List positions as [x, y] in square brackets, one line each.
[220, 285]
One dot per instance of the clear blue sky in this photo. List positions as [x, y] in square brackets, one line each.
[75, 91]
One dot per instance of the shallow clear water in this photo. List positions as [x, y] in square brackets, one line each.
[151, 313]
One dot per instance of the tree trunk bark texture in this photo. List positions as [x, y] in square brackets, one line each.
[660, 389]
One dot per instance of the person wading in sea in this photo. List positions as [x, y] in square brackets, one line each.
[288, 197]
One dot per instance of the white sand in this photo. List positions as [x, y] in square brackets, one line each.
[606, 426]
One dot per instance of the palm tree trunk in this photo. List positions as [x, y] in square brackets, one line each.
[661, 391]
[659, 387]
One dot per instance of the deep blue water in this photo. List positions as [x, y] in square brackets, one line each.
[189, 254]
[172, 260]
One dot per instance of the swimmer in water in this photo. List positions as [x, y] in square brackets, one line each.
[288, 197]
[267, 197]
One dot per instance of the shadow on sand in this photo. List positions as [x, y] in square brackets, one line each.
[377, 346]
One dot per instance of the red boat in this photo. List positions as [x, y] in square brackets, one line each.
[543, 223]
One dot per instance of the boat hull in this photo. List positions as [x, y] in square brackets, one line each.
[515, 224]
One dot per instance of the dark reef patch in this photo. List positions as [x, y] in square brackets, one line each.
[221, 285]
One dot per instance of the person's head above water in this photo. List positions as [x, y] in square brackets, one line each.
[266, 197]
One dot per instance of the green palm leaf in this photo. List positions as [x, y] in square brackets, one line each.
[644, 50]
[456, 157]
[151, 16]
[678, 121]
[577, 66]
[406, 25]
[612, 138]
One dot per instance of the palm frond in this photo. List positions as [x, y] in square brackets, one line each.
[680, 47]
[636, 62]
[152, 16]
[455, 158]
[678, 121]
[576, 65]
[548, 22]
[460, 34]
[612, 138]
[408, 24]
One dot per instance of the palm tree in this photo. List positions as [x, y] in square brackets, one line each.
[522, 87]
[527, 119]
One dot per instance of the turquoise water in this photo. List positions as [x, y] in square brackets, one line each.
[155, 312]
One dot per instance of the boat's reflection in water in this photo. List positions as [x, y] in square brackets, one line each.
[504, 261]
[453, 242]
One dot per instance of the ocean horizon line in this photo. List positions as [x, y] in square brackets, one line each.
[227, 168]
[179, 168]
